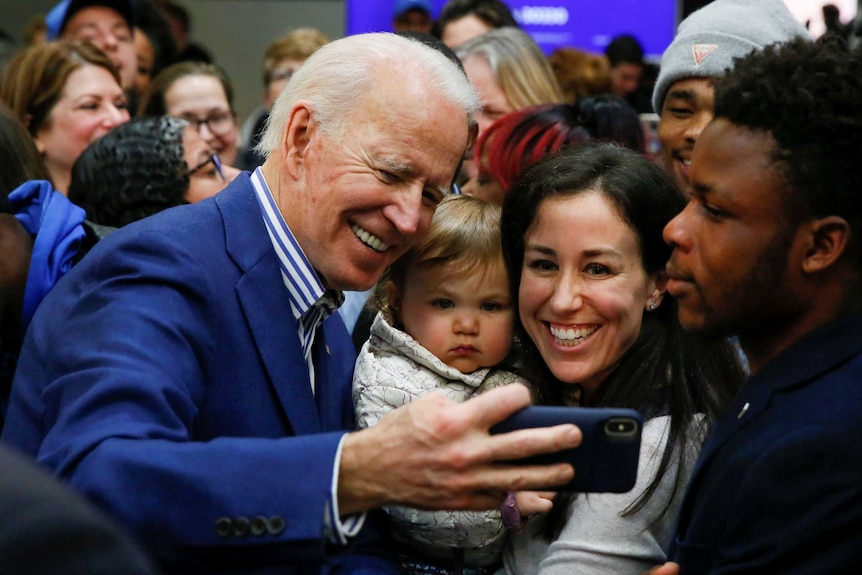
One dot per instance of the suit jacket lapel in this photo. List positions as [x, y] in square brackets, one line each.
[745, 407]
[266, 304]
[274, 330]
[803, 361]
[325, 397]
[334, 360]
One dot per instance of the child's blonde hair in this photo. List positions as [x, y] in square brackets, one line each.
[464, 231]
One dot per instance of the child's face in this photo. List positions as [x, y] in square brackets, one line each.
[462, 316]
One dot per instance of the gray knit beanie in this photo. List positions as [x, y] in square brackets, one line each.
[710, 38]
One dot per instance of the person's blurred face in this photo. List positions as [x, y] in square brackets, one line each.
[495, 103]
[16, 248]
[483, 185]
[688, 107]
[90, 104]
[205, 178]
[107, 30]
[414, 20]
[459, 31]
[624, 78]
[729, 266]
[146, 61]
[462, 315]
[367, 195]
[201, 100]
[279, 77]
[583, 289]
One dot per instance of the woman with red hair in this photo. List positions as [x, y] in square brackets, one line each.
[520, 139]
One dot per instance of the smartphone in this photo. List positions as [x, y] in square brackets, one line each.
[606, 461]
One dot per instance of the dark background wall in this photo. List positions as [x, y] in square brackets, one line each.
[689, 6]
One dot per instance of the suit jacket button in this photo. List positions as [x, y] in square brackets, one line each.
[275, 525]
[241, 526]
[224, 527]
[258, 526]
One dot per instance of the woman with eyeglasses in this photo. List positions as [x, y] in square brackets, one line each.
[201, 94]
[143, 167]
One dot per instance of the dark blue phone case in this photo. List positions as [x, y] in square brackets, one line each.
[607, 459]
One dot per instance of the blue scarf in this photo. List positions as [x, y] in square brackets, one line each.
[56, 225]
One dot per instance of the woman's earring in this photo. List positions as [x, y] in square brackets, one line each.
[652, 307]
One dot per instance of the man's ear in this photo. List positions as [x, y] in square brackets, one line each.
[827, 240]
[297, 136]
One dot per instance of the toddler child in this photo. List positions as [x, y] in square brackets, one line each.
[446, 322]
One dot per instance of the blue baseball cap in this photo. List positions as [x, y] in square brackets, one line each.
[56, 19]
[402, 6]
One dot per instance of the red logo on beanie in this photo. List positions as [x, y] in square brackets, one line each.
[701, 51]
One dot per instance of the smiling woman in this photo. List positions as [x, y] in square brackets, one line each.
[599, 331]
[68, 94]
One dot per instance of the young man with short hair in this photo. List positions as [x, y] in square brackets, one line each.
[768, 249]
[704, 48]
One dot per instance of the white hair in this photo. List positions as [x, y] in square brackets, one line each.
[334, 78]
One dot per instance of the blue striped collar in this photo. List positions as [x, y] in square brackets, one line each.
[310, 302]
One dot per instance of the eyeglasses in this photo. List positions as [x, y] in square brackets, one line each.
[283, 74]
[219, 124]
[215, 160]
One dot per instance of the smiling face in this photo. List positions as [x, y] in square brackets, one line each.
[687, 109]
[583, 287]
[201, 97]
[729, 267]
[108, 30]
[90, 104]
[363, 200]
[461, 314]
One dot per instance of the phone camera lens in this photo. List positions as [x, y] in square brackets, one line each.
[620, 426]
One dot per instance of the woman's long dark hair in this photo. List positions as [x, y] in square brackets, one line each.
[666, 371]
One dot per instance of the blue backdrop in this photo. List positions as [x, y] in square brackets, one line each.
[585, 24]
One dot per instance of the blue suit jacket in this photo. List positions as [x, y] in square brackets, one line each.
[164, 378]
[778, 485]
